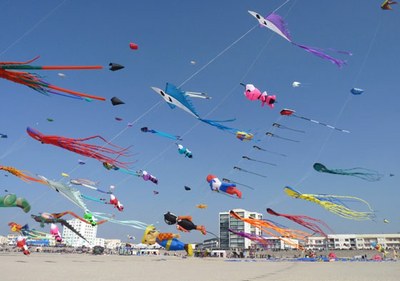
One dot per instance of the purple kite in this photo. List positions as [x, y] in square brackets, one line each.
[276, 23]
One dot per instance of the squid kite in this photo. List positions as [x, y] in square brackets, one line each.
[175, 97]
[290, 112]
[262, 241]
[29, 233]
[9, 71]
[386, 4]
[79, 146]
[46, 218]
[361, 173]
[11, 200]
[21, 174]
[130, 223]
[161, 134]
[307, 222]
[275, 23]
[263, 149]
[249, 172]
[259, 161]
[87, 217]
[269, 134]
[268, 227]
[276, 125]
[334, 204]
[252, 93]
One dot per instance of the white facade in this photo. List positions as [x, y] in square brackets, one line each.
[354, 241]
[228, 240]
[112, 243]
[88, 231]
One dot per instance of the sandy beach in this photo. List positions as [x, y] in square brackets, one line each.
[54, 267]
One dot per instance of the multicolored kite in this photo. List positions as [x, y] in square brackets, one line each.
[8, 70]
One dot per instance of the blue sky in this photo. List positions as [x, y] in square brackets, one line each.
[170, 34]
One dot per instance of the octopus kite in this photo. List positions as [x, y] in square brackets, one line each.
[284, 234]
[262, 241]
[307, 222]
[21, 174]
[334, 204]
[361, 173]
[79, 146]
[9, 71]
[11, 200]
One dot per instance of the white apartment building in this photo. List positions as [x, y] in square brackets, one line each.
[228, 240]
[88, 231]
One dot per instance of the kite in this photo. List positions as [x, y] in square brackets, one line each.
[9, 71]
[87, 217]
[131, 237]
[50, 119]
[357, 91]
[21, 174]
[307, 222]
[193, 62]
[167, 240]
[116, 101]
[361, 173]
[183, 150]
[284, 234]
[81, 162]
[62, 75]
[115, 66]
[161, 134]
[79, 146]
[249, 172]
[244, 136]
[276, 125]
[201, 206]
[238, 183]
[155, 192]
[386, 4]
[252, 93]
[259, 161]
[187, 188]
[109, 166]
[110, 218]
[11, 200]
[114, 201]
[147, 176]
[3, 136]
[290, 112]
[89, 184]
[296, 84]
[175, 97]
[262, 241]
[65, 175]
[263, 149]
[21, 243]
[55, 232]
[218, 186]
[25, 231]
[269, 134]
[118, 118]
[183, 223]
[276, 23]
[386, 221]
[45, 218]
[334, 204]
[133, 46]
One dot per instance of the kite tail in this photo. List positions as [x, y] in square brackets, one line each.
[322, 55]
[217, 124]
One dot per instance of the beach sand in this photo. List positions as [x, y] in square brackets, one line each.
[54, 267]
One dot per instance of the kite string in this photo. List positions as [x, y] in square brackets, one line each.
[349, 98]
[32, 28]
